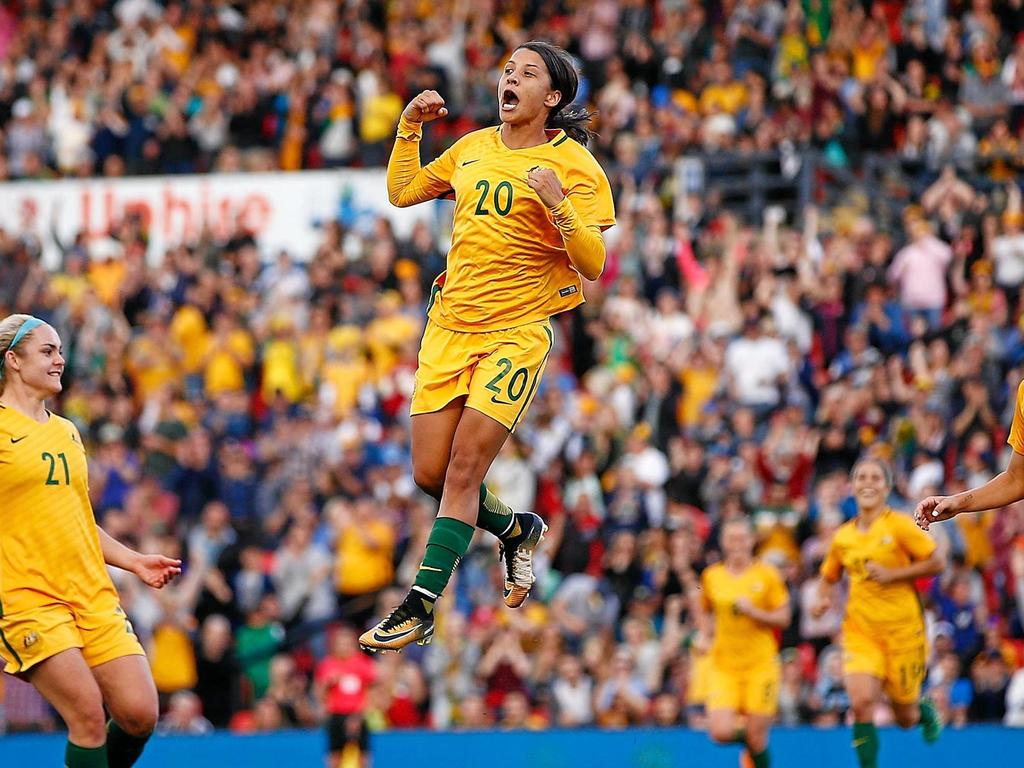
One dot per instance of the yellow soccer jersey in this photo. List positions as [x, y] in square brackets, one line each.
[507, 265]
[49, 545]
[740, 642]
[1016, 437]
[893, 541]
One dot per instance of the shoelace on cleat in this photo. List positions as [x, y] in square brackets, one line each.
[401, 614]
[518, 567]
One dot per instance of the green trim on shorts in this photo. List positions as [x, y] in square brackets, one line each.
[434, 290]
[8, 646]
[536, 378]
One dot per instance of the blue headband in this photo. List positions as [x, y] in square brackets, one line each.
[26, 328]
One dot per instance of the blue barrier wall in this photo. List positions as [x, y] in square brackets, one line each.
[976, 747]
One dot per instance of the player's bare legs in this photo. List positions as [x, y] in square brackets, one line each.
[864, 692]
[757, 733]
[476, 442]
[725, 726]
[66, 681]
[432, 437]
[130, 695]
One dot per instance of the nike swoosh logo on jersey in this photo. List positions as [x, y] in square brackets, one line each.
[470, 162]
[18, 439]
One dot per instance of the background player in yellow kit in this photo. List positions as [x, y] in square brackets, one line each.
[61, 624]
[745, 600]
[1005, 488]
[530, 205]
[884, 644]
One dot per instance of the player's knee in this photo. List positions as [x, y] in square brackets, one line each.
[464, 472]
[138, 721]
[724, 733]
[757, 741]
[863, 709]
[906, 718]
[87, 724]
[429, 481]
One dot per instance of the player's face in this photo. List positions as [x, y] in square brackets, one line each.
[39, 362]
[870, 486]
[524, 88]
[737, 541]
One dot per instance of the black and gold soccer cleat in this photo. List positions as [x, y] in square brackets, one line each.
[517, 553]
[411, 622]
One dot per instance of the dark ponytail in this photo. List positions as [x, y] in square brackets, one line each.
[564, 78]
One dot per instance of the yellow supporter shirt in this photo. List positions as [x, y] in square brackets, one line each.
[507, 265]
[385, 337]
[698, 387]
[49, 544]
[281, 370]
[172, 659]
[726, 97]
[150, 365]
[225, 366]
[893, 541]
[189, 333]
[343, 379]
[106, 278]
[362, 566]
[740, 642]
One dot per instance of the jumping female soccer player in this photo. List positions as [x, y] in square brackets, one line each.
[530, 205]
[61, 624]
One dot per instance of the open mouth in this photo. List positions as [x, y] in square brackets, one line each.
[509, 100]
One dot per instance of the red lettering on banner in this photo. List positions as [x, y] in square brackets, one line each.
[29, 213]
[177, 205]
[225, 220]
[143, 209]
[254, 213]
[102, 227]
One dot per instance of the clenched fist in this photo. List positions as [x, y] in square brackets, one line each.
[427, 106]
[545, 183]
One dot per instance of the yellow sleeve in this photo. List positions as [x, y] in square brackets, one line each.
[1016, 438]
[583, 244]
[778, 595]
[592, 196]
[705, 591]
[916, 542]
[831, 567]
[408, 183]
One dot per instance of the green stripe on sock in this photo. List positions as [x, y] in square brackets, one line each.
[449, 539]
[85, 757]
[865, 741]
[494, 515]
[761, 759]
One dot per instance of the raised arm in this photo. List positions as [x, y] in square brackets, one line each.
[408, 183]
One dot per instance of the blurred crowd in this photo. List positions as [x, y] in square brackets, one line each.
[248, 410]
[92, 87]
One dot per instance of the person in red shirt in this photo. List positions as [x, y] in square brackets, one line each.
[342, 680]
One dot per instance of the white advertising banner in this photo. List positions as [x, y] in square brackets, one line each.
[282, 210]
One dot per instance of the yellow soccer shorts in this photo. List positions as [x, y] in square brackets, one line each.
[30, 637]
[898, 662]
[497, 371]
[752, 691]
